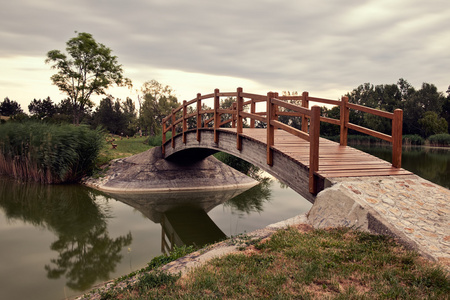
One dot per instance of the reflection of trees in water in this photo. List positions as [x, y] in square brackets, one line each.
[253, 199]
[86, 258]
[86, 253]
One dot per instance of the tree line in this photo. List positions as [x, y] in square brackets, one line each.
[88, 68]
[426, 111]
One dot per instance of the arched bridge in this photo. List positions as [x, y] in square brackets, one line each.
[297, 157]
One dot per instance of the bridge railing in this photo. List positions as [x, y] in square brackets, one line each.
[194, 114]
[397, 122]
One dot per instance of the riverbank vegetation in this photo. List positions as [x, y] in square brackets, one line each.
[302, 263]
[48, 153]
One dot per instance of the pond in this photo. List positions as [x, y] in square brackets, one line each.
[431, 163]
[59, 241]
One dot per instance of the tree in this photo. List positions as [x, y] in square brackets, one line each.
[158, 103]
[10, 108]
[42, 109]
[446, 109]
[90, 70]
[427, 99]
[116, 116]
[432, 124]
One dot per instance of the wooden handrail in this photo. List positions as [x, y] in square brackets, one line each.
[310, 124]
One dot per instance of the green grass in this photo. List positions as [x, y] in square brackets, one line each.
[125, 147]
[301, 263]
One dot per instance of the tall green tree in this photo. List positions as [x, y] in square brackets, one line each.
[116, 116]
[88, 69]
[10, 108]
[42, 109]
[158, 102]
[432, 124]
[427, 99]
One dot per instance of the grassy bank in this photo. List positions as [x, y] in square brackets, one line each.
[301, 263]
[124, 147]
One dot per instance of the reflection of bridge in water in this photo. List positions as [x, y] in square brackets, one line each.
[183, 215]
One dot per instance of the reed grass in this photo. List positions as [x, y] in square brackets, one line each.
[48, 153]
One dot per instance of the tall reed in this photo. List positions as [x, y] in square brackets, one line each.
[48, 153]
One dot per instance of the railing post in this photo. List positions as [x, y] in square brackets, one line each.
[216, 115]
[173, 127]
[233, 116]
[184, 121]
[305, 104]
[252, 110]
[314, 133]
[397, 134]
[240, 124]
[270, 129]
[199, 116]
[163, 149]
[345, 112]
[276, 108]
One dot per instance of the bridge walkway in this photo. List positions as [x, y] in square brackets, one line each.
[334, 160]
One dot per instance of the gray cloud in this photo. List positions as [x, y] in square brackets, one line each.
[286, 44]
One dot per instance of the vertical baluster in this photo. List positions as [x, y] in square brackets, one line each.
[173, 128]
[199, 116]
[305, 104]
[184, 121]
[216, 115]
[252, 110]
[270, 129]
[163, 150]
[345, 112]
[240, 123]
[314, 133]
[397, 131]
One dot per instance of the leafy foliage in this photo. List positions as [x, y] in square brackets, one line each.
[116, 116]
[442, 139]
[90, 71]
[10, 108]
[158, 103]
[42, 109]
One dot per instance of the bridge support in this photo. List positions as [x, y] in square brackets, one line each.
[284, 168]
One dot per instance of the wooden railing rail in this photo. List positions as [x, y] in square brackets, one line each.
[310, 121]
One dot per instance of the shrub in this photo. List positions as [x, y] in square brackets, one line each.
[48, 153]
[413, 139]
[156, 140]
[442, 139]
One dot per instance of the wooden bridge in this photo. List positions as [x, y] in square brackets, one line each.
[298, 157]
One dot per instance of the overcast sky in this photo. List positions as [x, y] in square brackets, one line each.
[326, 47]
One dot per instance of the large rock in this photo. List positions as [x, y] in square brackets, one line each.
[149, 172]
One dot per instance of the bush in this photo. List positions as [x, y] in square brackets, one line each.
[412, 139]
[442, 139]
[156, 140]
[48, 153]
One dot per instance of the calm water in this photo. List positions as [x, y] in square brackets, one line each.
[432, 164]
[58, 241]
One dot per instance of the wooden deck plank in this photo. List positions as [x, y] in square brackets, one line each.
[334, 160]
